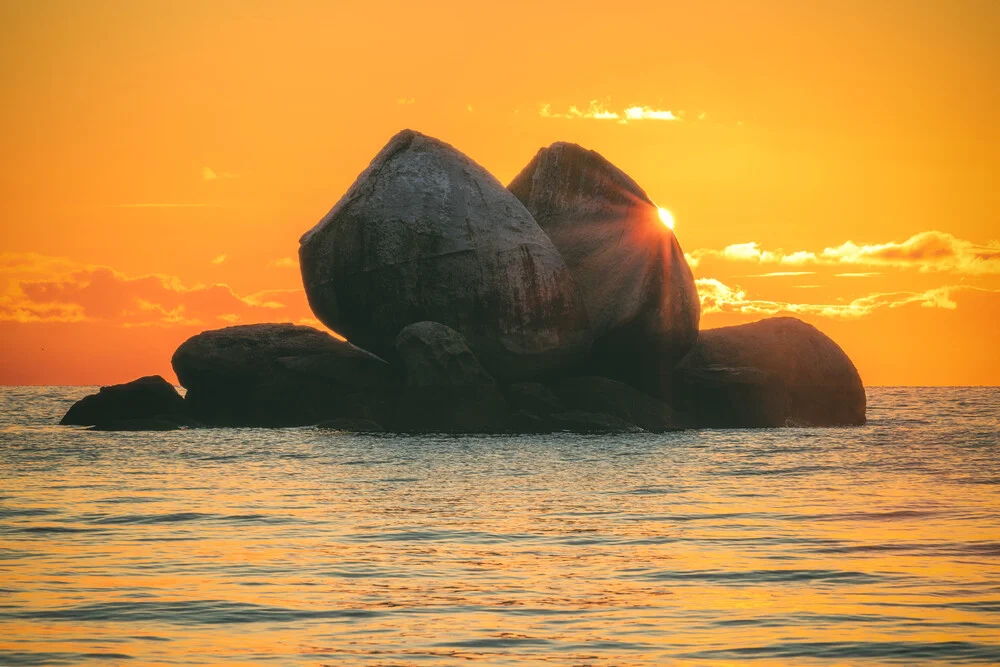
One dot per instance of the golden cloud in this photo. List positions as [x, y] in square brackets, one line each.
[598, 111]
[717, 297]
[926, 251]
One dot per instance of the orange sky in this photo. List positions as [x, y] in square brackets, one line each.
[161, 159]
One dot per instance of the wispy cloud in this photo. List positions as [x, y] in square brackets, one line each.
[283, 263]
[600, 111]
[782, 274]
[717, 297]
[219, 259]
[927, 251]
[86, 293]
[406, 100]
[209, 174]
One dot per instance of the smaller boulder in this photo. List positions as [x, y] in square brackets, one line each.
[824, 388]
[144, 398]
[604, 395]
[446, 388]
[280, 375]
[721, 397]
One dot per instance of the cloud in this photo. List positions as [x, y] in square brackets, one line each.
[782, 274]
[406, 100]
[717, 297]
[598, 111]
[283, 263]
[219, 259]
[645, 113]
[866, 274]
[209, 174]
[927, 251]
[101, 294]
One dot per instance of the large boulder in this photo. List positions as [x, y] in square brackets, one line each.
[280, 375]
[638, 289]
[824, 388]
[425, 233]
[146, 398]
[722, 397]
[446, 389]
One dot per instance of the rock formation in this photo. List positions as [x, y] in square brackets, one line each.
[425, 233]
[824, 388]
[280, 375]
[638, 289]
[446, 387]
[148, 398]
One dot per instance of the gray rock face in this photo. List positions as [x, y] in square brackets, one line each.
[279, 375]
[637, 286]
[723, 397]
[146, 398]
[446, 389]
[824, 388]
[425, 233]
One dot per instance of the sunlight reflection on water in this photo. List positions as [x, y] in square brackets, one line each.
[870, 545]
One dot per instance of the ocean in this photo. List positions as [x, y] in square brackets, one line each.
[840, 546]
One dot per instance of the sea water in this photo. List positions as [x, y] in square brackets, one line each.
[840, 546]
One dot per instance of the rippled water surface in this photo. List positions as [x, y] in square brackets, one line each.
[874, 545]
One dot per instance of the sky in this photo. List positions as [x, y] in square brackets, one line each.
[836, 161]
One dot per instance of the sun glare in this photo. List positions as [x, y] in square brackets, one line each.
[667, 217]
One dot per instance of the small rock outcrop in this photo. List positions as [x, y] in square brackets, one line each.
[280, 375]
[721, 397]
[143, 399]
[638, 289]
[425, 233]
[446, 388]
[824, 388]
[603, 395]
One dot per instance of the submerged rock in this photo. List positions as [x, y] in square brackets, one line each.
[824, 388]
[425, 233]
[351, 425]
[638, 289]
[145, 398]
[604, 395]
[722, 397]
[280, 375]
[579, 421]
[446, 389]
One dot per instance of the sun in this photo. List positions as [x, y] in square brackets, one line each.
[667, 217]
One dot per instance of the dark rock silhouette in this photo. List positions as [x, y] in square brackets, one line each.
[824, 388]
[721, 397]
[637, 286]
[280, 375]
[446, 389]
[145, 398]
[533, 398]
[425, 233]
[604, 395]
